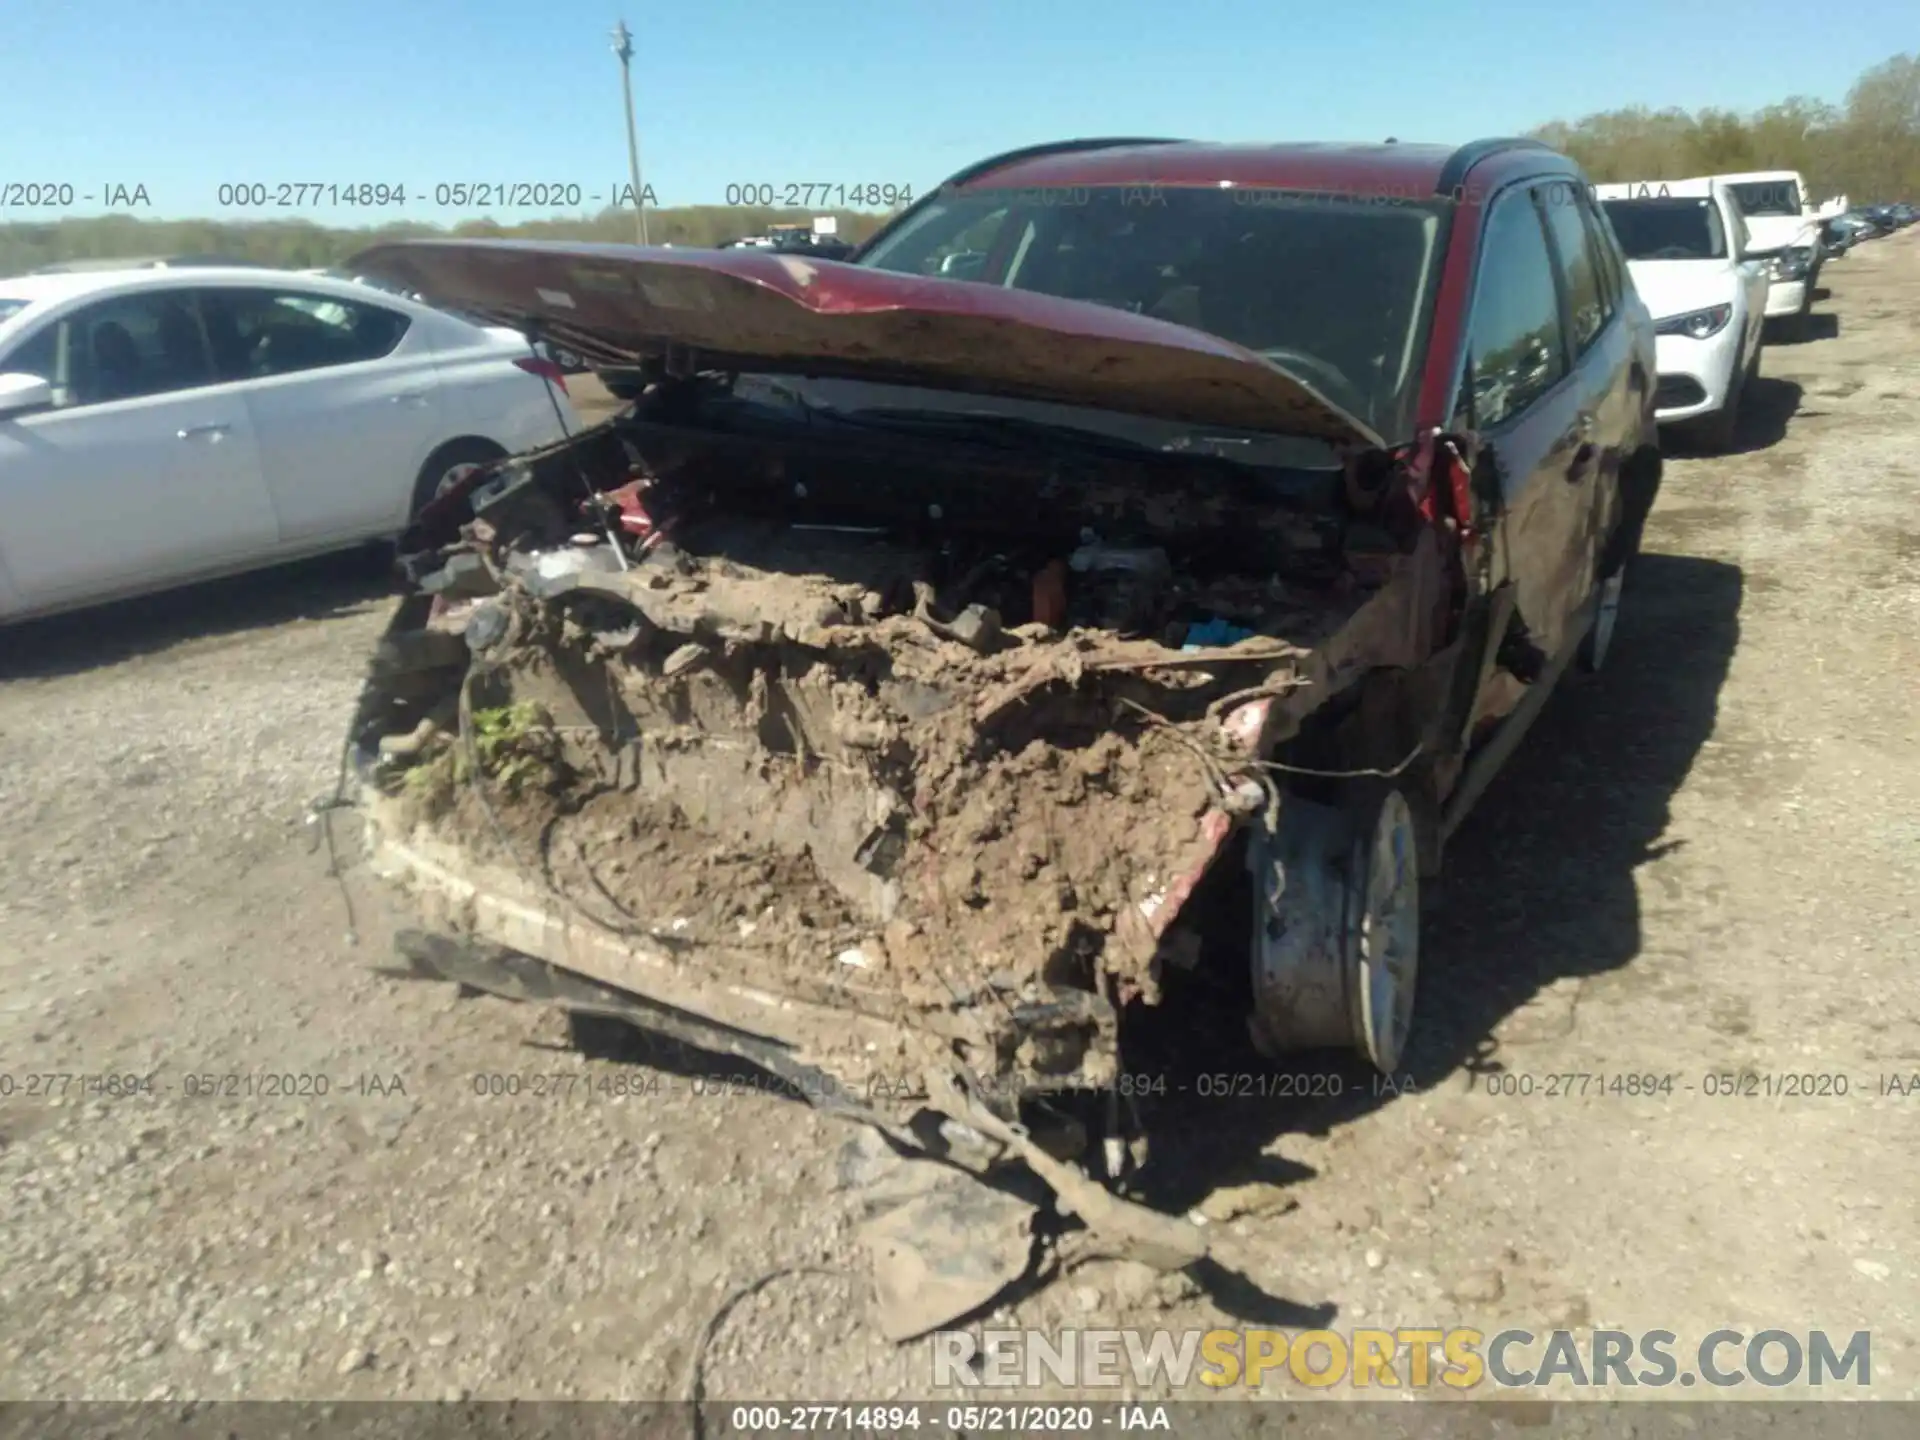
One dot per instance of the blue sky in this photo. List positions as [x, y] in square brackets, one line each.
[180, 96]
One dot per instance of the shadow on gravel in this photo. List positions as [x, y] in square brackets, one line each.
[1764, 414]
[1824, 325]
[108, 634]
[1538, 888]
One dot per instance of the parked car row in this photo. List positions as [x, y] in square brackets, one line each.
[1692, 258]
[793, 241]
[1853, 227]
[1716, 258]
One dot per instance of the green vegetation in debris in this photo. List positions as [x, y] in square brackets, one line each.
[1867, 148]
[517, 747]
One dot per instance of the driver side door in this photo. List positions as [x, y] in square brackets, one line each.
[144, 471]
[1534, 413]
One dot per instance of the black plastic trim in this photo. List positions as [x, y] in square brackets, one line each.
[1454, 173]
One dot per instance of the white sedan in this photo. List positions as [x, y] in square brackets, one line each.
[164, 426]
[1687, 249]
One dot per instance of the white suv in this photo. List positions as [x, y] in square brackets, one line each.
[1687, 248]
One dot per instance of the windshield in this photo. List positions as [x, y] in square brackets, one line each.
[1768, 197]
[1334, 290]
[11, 308]
[1668, 229]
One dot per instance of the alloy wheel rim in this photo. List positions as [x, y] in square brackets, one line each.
[1387, 937]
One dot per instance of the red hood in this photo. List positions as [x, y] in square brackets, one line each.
[781, 313]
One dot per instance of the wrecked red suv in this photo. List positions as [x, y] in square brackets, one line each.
[872, 697]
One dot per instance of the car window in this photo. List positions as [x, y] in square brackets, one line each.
[1669, 228]
[121, 349]
[1514, 345]
[1605, 258]
[1565, 210]
[957, 254]
[39, 356]
[1613, 252]
[1768, 197]
[261, 333]
[1334, 288]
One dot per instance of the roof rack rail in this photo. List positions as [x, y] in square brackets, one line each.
[1052, 147]
[1474, 151]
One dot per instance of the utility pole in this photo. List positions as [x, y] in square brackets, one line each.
[623, 47]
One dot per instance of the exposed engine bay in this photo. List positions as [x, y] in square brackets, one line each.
[913, 723]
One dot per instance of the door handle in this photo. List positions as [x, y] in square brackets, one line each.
[408, 397]
[209, 432]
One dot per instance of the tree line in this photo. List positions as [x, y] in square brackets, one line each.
[304, 245]
[1866, 148]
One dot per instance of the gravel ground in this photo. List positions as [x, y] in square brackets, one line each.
[1700, 862]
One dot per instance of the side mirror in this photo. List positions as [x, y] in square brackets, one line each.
[20, 393]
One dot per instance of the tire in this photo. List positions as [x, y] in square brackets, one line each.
[446, 465]
[1639, 485]
[1597, 644]
[1336, 943]
[1720, 431]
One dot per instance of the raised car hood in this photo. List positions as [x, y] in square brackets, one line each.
[777, 313]
[1768, 233]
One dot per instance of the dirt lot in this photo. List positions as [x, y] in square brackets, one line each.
[1702, 861]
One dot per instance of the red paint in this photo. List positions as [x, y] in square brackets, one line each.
[1460, 484]
[1373, 171]
[545, 369]
[1050, 595]
[760, 310]
[634, 518]
[1215, 827]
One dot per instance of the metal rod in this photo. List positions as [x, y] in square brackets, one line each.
[623, 47]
